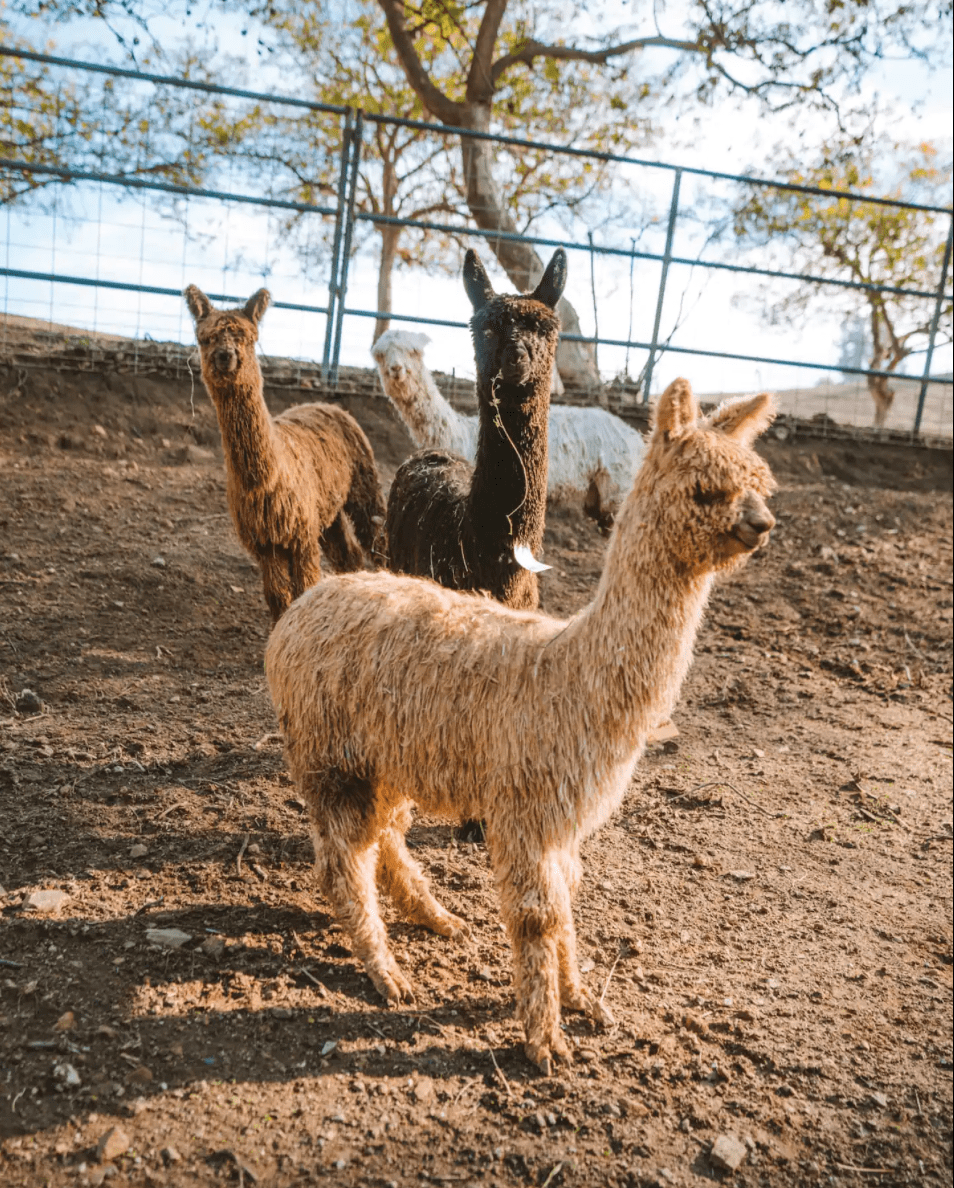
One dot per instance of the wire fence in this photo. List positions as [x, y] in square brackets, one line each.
[105, 225]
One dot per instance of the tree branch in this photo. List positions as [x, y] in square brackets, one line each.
[536, 49]
[481, 79]
[436, 102]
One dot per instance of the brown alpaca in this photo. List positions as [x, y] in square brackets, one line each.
[304, 479]
[392, 691]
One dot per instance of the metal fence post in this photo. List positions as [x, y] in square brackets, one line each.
[348, 237]
[336, 245]
[667, 256]
[938, 306]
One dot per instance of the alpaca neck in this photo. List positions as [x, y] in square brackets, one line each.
[248, 432]
[429, 417]
[508, 490]
[629, 650]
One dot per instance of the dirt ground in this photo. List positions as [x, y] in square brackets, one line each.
[768, 915]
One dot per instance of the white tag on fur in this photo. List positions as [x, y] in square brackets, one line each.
[523, 557]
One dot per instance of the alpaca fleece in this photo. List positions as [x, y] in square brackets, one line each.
[593, 455]
[393, 692]
[295, 483]
[460, 524]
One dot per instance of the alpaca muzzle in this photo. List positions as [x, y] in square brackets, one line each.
[515, 365]
[754, 527]
[225, 359]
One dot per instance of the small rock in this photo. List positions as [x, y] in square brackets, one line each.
[112, 1144]
[742, 876]
[193, 455]
[167, 938]
[423, 1090]
[727, 1152]
[485, 974]
[45, 901]
[139, 1076]
[785, 1091]
[67, 1075]
[158, 562]
[879, 1099]
[66, 1022]
[212, 946]
[170, 1155]
[106, 1031]
[328, 1047]
[98, 431]
[138, 850]
[282, 1013]
[99, 1175]
[27, 702]
[694, 1023]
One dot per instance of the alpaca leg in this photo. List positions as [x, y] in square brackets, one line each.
[305, 569]
[573, 994]
[345, 828]
[366, 507]
[535, 904]
[407, 885]
[276, 581]
[341, 545]
[596, 502]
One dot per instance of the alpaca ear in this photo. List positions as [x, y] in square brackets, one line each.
[553, 282]
[256, 305]
[745, 419]
[420, 340]
[676, 411]
[199, 305]
[476, 281]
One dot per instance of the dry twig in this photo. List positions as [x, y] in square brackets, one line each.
[238, 856]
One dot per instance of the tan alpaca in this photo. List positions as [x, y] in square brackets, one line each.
[296, 481]
[393, 691]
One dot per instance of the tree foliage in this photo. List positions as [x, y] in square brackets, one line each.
[866, 242]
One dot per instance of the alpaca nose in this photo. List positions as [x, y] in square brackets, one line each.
[762, 523]
[516, 362]
[224, 358]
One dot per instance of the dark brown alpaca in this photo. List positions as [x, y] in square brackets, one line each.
[458, 523]
[304, 479]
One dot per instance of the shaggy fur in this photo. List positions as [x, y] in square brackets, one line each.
[392, 691]
[296, 481]
[593, 455]
[460, 524]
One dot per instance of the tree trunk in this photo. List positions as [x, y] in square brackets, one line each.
[389, 243]
[575, 360]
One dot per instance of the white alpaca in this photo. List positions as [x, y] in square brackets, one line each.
[594, 455]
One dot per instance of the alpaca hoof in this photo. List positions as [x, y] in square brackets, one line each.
[471, 831]
[393, 987]
[546, 1056]
[449, 925]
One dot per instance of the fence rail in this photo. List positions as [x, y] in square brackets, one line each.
[343, 210]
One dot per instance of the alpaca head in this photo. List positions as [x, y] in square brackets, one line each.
[707, 484]
[515, 336]
[398, 351]
[226, 337]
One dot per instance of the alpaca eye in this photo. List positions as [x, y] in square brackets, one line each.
[705, 498]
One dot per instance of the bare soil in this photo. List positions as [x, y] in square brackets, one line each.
[768, 915]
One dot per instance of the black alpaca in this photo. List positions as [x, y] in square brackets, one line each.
[460, 524]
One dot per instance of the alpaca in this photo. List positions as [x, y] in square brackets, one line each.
[391, 691]
[303, 478]
[593, 455]
[465, 525]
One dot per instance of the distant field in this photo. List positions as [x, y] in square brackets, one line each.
[850, 404]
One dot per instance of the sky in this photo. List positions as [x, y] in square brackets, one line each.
[100, 233]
